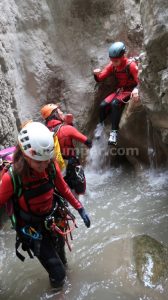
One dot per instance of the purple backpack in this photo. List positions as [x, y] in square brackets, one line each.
[6, 156]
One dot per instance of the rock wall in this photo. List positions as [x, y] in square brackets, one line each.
[8, 113]
[154, 76]
[50, 47]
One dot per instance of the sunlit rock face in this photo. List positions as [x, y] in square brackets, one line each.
[49, 49]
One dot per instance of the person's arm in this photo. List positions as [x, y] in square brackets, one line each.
[65, 192]
[73, 133]
[104, 73]
[6, 189]
[76, 135]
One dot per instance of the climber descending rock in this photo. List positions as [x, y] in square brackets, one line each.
[125, 71]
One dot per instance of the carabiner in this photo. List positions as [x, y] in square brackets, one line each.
[31, 232]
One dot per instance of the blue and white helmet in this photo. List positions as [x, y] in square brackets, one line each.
[117, 50]
[36, 141]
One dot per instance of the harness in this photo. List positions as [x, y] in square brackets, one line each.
[35, 225]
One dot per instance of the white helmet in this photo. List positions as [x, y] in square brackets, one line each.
[36, 141]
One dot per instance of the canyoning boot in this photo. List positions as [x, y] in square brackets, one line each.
[113, 138]
[56, 284]
[99, 130]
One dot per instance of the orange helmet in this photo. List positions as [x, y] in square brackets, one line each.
[25, 123]
[47, 109]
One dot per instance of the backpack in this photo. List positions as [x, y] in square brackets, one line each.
[6, 156]
[58, 153]
[75, 176]
[57, 149]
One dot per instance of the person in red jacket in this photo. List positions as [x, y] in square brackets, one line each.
[32, 162]
[126, 75]
[56, 121]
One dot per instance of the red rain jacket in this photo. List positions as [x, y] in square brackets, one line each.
[126, 75]
[66, 134]
[41, 204]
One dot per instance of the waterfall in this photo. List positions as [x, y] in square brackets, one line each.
[151, 145]
[98, 159]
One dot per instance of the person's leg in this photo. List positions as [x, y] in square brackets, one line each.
[51, 261]
[104, 108]
[60, 248]
[116, 112]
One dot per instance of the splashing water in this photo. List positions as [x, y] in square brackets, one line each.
[101, 266]
[98, 159]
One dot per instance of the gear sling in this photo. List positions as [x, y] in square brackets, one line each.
[56, 223]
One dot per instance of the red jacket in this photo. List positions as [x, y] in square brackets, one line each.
[123, 77]
[66, 134]
[39, 204]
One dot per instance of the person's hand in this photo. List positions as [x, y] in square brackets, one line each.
[84, 216]
[135, 95]
[68, 119]
[88, 143]
[96, 71]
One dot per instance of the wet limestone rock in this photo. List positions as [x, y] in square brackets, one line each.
[137, 133]
[154, 76]
[151, 260]
[8, 128]
[50, 48]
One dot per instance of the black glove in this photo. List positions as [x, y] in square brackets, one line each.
[84, 216]
[95, 78]
[88, 143]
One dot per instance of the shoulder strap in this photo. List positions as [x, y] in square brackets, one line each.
[57, 128]
[114, 70]
[127, 69]
[16, 180]
[52, 172]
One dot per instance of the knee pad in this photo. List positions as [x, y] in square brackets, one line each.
[103, 104]
[115, 103]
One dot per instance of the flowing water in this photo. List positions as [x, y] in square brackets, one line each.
[121, 205]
